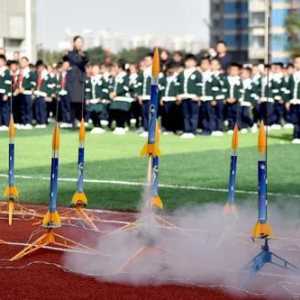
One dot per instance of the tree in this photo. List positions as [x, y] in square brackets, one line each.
[50, 57]
[133, 55]
[97, 55]
[293, 29]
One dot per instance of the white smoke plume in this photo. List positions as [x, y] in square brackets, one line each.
[205, 247]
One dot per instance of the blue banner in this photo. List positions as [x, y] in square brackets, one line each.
[154, 182]
[262, 192]
[53, 185]
[232, 179]
[11, 165]
[153, 113]
[80, 169]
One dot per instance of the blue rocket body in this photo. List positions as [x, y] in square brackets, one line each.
[11, 165]
[232, 179]
[262, 192]
[154, 183]
[153, 112]
[53, 185]
[80, 179]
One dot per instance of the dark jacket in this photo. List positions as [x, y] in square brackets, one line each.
[76, 76]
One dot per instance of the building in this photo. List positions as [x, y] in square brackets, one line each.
[117, 41]
[18, 27]
[242, 25]
[229, 22]
[279, 37]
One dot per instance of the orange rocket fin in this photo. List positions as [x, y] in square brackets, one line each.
[152, 149]
[157, 202]
[262, 230]
[79, 199]
[52, 220]
[11, 192]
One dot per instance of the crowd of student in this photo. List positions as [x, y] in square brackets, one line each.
[205, 96]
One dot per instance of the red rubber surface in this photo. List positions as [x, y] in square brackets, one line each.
[41, 275]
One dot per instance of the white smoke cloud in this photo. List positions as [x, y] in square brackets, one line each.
[205, 247]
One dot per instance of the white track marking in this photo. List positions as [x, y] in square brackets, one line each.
[162, 185]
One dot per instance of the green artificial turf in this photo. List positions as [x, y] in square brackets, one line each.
[199, 163]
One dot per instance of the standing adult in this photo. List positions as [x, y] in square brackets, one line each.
[223, 56]
[76, 78]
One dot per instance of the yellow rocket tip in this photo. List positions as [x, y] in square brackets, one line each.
[56, 138]
[230, 209]
[156, 202]
[261, 230]
[11, 192]
[82, 131]
[150, 149]
[11, 128]
[79, 199]
[51, 220]
[235, 138]
[156, 64]
[262, 138]
[11, 207]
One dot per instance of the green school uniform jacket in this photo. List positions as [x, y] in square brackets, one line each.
[142, 86]
[5, 82]
[96, 93]
[219, 89]
[43, 85]
[294, 88]
[211, 89]
[249, 95]
[232, 87]
[190, 85]
[167, 88]
[121, 87]
[61, 82]
[277, 85]
[27, 81]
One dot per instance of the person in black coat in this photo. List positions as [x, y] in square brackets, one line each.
[76, 78]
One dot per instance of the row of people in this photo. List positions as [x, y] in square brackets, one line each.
[193, 97]
[199, 97]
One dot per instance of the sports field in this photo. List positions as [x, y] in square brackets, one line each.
[191, 171]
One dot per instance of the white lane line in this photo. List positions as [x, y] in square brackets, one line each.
[162, 185]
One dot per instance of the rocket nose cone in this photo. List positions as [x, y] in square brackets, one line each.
[156, 64]
[235, 138]
[56, 138]
[11, 128]
[262, 138]
[82, 131]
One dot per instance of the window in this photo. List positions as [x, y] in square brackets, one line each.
[279, 17]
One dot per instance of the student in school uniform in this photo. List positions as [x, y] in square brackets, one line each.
[26, 84]
[42, 91]
[5, 93]
[96, 97]
[189, 84]
[142, 90]
[218, 97]
[294, 100]
[233, 94]
[248, 100]
[63, 95]
[120, 97]
[167, 94]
